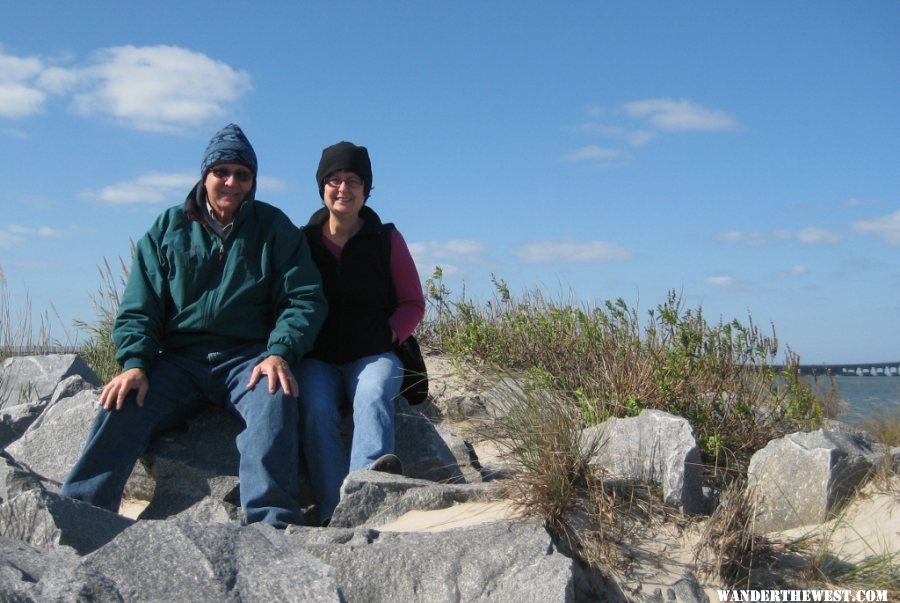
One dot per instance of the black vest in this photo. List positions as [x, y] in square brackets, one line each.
[359, 290]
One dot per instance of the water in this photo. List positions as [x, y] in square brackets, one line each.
[869, 398]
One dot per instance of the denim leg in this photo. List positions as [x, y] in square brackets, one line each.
[118, 437]
[321, 395]
[268, 445]
[372, 383]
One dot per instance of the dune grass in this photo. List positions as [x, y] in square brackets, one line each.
[608, 362]
[581, 365]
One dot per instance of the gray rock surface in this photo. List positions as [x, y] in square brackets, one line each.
[429, 451]
[186, 560]
[53, 443]
[190, 543]
[27, 384]
[654, 447]
[32, 379]
[802, 478]
[48, 520]
[513, 562]
[369, 498]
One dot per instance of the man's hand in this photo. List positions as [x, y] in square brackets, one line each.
[279, 373]
[113, 396]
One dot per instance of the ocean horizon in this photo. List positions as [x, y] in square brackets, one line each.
[866, 397]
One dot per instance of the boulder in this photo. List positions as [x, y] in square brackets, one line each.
[512, 562]
[48, 520]
[803, 478]
[27, 379]
[27, 384]
[53, 443]
[196, 470]
[14, 479]
[491, 403]
[655, 447]
[431, 452]
[22, 566]
[372, 498]
[187, 560]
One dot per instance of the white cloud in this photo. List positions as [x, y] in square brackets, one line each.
[600, 156]
[681, 114]
[271, 184]
[809, 236]
[752, 238]
[151, 188]
[16, 69]
[796, 270]
[15, 234]
[632, 137]
[459, 249]
[8, 239]
[18, 100]
[19, 94]
[651, 116]
[813, 235]
[445, 254]
[719, 280]
[571, 250]
[159, 88]
[886, 228]
[156, 88]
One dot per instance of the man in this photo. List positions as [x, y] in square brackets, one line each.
[223, 299]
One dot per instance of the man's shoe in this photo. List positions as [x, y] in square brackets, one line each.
[387, 463]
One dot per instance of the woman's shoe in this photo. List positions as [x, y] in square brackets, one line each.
[387, 463]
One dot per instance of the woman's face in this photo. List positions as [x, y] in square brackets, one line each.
[344, 193]
[227, 185]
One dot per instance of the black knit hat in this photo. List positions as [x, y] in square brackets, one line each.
[345, 156]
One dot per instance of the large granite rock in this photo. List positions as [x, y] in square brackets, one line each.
[656, 447]
[429, 451]
[53, 443]
[32, 379]
[497, 562]
[186, 560]
[371, 498]
[802, 478]
[27, 384]
[48, 520]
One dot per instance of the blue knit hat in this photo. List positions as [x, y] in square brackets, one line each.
[229, 145]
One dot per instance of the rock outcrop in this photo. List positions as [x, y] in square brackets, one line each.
[190, 542]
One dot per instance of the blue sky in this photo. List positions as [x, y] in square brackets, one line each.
[744, 154]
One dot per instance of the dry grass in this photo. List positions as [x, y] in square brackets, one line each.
[606, 361]
[590, 515]
[730, 551]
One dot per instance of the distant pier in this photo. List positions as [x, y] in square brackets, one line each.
[871, 369]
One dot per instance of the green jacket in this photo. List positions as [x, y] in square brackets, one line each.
[192, 292]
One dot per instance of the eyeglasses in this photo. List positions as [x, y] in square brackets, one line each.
[239, 175]
[351, 182]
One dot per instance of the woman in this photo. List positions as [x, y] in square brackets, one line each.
[375, 301]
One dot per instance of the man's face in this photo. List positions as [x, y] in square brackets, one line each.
[227, 185]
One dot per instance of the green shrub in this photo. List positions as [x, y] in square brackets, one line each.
[607, 362]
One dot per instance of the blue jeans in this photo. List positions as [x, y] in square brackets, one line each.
[181, 386]
[370, 384]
